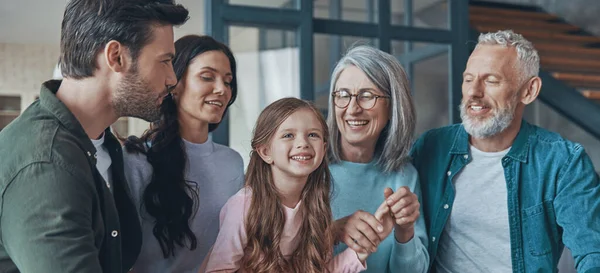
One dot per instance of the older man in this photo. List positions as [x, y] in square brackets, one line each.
[502, 195]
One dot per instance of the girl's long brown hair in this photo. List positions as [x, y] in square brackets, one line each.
[266, 216]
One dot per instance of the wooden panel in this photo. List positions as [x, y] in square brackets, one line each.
[564, 76]
[562, 50]
[560, 37]
[590, 94]
[502, 23]
[578, 80]
[549, 36]
[511, 13]
[583, 85]
[569, 64]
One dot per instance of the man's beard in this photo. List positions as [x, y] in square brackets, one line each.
[488, 126]
[134, 98]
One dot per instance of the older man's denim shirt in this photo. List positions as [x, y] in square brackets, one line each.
[553, 195]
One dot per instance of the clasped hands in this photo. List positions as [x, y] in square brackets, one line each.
[363, 231]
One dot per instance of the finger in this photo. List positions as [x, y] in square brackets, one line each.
[371, 220]
[407, 210]
[387, 192]
[368, 232]
[404, 202]
[408, 220]
[399, 194]
[361, 235]
[403, 190]
[381, 211]
[351, 243]
[370, 241]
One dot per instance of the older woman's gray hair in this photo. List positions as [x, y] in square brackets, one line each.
[394, 143]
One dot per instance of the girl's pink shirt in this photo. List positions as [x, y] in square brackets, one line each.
[228, 250]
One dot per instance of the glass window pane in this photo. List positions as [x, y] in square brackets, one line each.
[10, 103]
[267, 70]
[348, 10]
[425, 13]
[136, 126]
[429, 79]
[121, 128]
[542, 115]
[286, 4]
[328, 50]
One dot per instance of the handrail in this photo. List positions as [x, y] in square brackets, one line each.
[571, 104]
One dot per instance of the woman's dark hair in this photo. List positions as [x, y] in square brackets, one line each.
[169, 198]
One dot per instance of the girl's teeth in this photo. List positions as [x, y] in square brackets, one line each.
[301, 157]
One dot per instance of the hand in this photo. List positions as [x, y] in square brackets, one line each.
[404, 206]
[359, 231]
[385, 218]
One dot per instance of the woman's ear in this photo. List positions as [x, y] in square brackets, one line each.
[265, 153]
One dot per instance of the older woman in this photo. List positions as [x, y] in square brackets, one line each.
[371, 122]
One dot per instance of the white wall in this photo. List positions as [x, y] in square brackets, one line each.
[28, 59]
[24, 67]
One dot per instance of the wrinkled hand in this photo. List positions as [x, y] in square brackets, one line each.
[385, 217]
[387, 221]
[404, 206]
[359, 231]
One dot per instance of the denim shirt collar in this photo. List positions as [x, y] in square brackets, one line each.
[518, 151]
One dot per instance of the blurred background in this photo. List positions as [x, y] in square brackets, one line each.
[289, 47]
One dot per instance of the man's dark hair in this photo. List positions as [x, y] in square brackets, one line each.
[88, 25]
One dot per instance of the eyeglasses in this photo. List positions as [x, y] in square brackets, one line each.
[365, 99]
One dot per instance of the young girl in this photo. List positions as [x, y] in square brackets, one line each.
[282, 221]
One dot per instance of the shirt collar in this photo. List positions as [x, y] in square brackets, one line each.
[519, 150]
[59, 110]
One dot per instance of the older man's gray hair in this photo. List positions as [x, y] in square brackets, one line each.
[528, 58]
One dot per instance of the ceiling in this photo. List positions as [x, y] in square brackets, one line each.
[39, 23]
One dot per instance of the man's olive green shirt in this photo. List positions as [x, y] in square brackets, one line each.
[56, 212]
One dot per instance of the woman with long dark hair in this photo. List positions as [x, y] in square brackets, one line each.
[178, 177]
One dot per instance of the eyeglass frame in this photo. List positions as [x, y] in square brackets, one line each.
[356, 98]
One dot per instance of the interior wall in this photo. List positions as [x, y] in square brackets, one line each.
[24, 67]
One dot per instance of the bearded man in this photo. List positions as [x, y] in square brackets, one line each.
[64, 202]
[499, 194]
